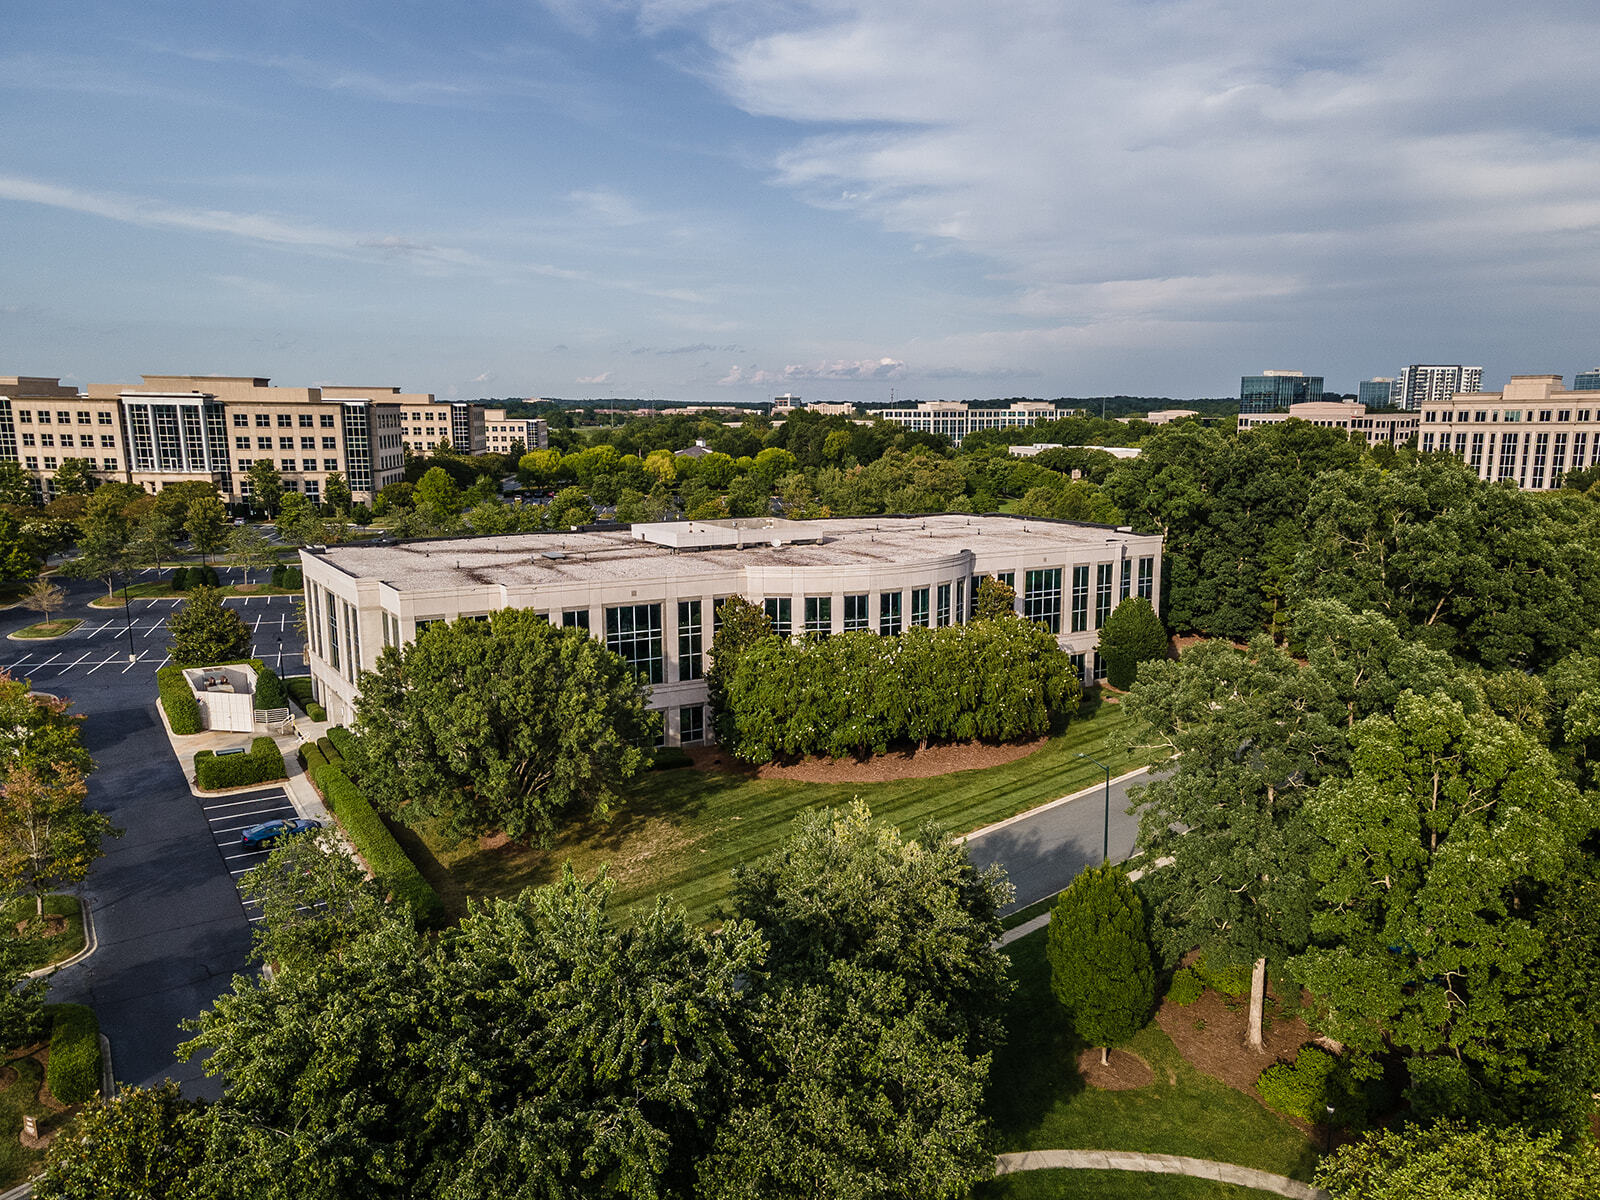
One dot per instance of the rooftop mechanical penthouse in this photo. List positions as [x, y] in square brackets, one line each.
[651, 592]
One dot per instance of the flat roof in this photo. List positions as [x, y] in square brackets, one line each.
[644, 552]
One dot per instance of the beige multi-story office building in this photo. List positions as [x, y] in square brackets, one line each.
[501, 433]
[957, 418]
[651, 592]
[426, 422]
[175, 428]
[1531, 433]
[1394, 429]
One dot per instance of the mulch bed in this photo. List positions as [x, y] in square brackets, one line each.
[904, 763]
[1124, 1071]
[1211, 1034]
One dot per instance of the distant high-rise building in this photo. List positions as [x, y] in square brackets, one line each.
[1376, 393]
[1587, 381]
[1422, 382]
[1277, 389]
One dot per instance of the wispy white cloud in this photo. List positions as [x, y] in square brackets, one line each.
[603, 377]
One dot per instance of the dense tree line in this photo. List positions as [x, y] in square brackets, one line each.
[831, 1039]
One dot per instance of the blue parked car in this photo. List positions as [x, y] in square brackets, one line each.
[268, 832]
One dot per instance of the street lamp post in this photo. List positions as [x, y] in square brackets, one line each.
[1105, 844]
[127, 618]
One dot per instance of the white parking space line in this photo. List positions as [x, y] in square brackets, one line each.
[256, 626]
[134, 663]
[270, 798]
[20, 662]
[101, 663]
[247, 816]
[49, 660]
[100, 629]
[156, 626]
[70, 665]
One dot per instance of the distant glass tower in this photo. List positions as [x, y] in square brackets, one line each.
[1376, 393]
[1587, 381]
[1277, 389]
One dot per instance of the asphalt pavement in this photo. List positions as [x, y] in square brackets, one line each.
[1042, 851]
[172, 929]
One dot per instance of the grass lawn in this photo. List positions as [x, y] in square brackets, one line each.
[21, 1077]
[682, 831]
[42, 951]
[1109, 1185]
[1039, 1102]
[50, 629]
[162, 591]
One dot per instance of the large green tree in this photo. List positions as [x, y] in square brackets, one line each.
[1423, 862]
[252, 548]
[266, 486]
[108, 524]
[146, 1144]
[1100, 963]
[76, 477]
[206, 631]
[37, 731]
[739, 625]
[206, 523]
[315, 901]
[1451, 1161]
[509, 724]
[18, 557]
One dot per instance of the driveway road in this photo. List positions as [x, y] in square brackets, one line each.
[1042, 851]
[172, 931]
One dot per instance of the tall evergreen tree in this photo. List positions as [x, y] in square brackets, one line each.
[1132, 634]
[1100, 962]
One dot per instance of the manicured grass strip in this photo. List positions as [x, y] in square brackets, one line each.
[49, 629]
[42, 951]
[163, 591]
[682, 832]
[1109, 1185]
[74, 1070]
[1039, 1102]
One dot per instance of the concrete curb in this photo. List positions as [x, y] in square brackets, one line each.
[54, 637]
[21, 1192]
[1097, 789]
[91, 942]
[1158, 1164]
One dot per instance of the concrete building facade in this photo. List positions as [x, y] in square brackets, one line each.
[501, 432]
[651, 592]
[1531, 433]
[1587, 381]
[955, 419]
[426, 422]
[174, 428]
[1395, 429]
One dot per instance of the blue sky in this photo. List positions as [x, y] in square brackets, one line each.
[702, 200]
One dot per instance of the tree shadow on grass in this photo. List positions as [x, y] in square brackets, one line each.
[1036, 1069]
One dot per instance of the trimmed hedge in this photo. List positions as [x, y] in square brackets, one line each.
[329, 751]
[310, 758]
[262, 765]
[390, 866]
[183, 710]
[74, 1070]
[316, 712]
[299, 688]
[343, 741]
[270, 692]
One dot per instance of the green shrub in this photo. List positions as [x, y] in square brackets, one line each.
[669, 758]
[180, 579]
[329, 750]
[1185, 987]
[1230, 979]
[270, 692]
[183, 710]
[343, 740]
[208, 576]
[310, 758]
[74, 1070]
[388, 862]
[316, 712]
[277, 574]
[293, 578]
[1306, 1088]
[299, 688]
[262, 765]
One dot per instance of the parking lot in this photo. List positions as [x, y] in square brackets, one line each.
[227, 815]
[118, 640]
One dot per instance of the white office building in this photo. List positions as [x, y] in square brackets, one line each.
[957, 418]
[651, 592]
[1532, 433]
[1394, 429]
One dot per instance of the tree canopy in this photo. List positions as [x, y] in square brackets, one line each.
[507, 725]
[206, 631]
[1100, 962]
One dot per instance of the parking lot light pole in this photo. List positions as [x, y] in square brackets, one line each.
[1105, 852]
[127, 618]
